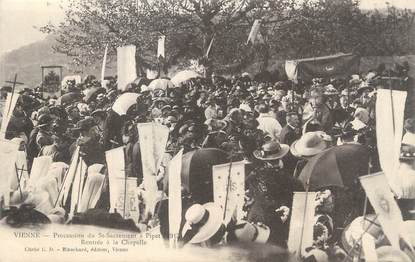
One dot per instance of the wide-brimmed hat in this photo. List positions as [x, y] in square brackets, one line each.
[44, 120]
[272, 151]
[99, 112]
[204, 220]
[85, 124]
[310, 144]
[244, 231]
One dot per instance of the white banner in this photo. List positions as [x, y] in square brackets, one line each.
[8, 155]
[389, 130]
[229, 188]
[104, 63]
[160, 46]
[123, 194]
[253, 35]
[116, 170]
[300, 235]
[175, 197]
[69, 176]
[21, 164]
[7, 113]
[153, 139]
[77, 187]
[92, 191]
[383, 202]
[126, 68]
[291, 70]
[40, 168]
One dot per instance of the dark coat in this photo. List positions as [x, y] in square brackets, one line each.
[112, 130]
[288, 135]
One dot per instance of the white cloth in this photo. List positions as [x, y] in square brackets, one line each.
[269, 125]
[409, 139]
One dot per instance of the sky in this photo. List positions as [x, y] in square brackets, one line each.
[19, 17]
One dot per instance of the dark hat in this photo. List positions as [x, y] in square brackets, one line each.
[99, 112]
[44, 120]
[85, 124]
[407, 152]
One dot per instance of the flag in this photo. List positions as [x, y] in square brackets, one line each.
[210, 46]
[383, 202]
[160, 46]
[153, 139]
[92, 191]
[104, 62]
[9, 106]
[77, 187]
[126, 68]
[175, 197]
[389, 128]
[229, 188]
[8, 155]
[253, 35]
[300, 234]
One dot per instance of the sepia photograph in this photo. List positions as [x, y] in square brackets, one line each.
[207, 130]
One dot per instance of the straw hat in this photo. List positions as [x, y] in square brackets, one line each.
[310, 144]
[272, 151]
[245, 231]
[205, 220]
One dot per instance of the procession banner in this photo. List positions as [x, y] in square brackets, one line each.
[51, 81]
[124, 198]
[8, 155]
[21, 164]
[383, 202]
[300, 235]
[126, 68]
[69, 176]
[8, 109]
[92, 191]
[153, 139]
[116, 170]
[339, 65]
[253, 34]
[229, 188]
[39, 169]
[104, 63]
[77, 187]
[175, 196]
[390, 106]
[160, 46]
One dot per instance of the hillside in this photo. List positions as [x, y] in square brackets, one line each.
[27, 61]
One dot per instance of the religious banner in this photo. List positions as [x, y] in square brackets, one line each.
[300, 234]
[381, 197]
[229, 188]
[124, 198]
[92, 191]
[69, 176]
[126, 66]
[175, 197]
[390, 106]
[160, 46]
[339, 65]
[51, 81]
[253, 34]
[8, 109]
[153, 139]
[116, 169]
[77, 187]
[22, 175]
[8, 155]
[39, 169]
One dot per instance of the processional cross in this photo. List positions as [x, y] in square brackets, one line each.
[13, 87]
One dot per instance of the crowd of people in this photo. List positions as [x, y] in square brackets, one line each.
[277, 127]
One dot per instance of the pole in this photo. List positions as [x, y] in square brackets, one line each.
[11, 97]
[79, 184]
[18, 180]
[227, 188]
[307, 187]
[392, 106]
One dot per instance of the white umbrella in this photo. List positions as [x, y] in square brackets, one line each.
[124, 102]
[184, 76]
[160, 83]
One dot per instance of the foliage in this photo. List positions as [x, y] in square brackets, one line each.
[288, 30]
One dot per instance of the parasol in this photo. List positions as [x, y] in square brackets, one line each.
[197, 172]
[160, 84]
[124, 102]
[337, 166]
[184, 76]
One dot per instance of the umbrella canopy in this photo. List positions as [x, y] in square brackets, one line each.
[184, 76]
[197, 172]
[91, 93]
[69, 98]
[160, 84]
[337, 166]
[124, 102]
